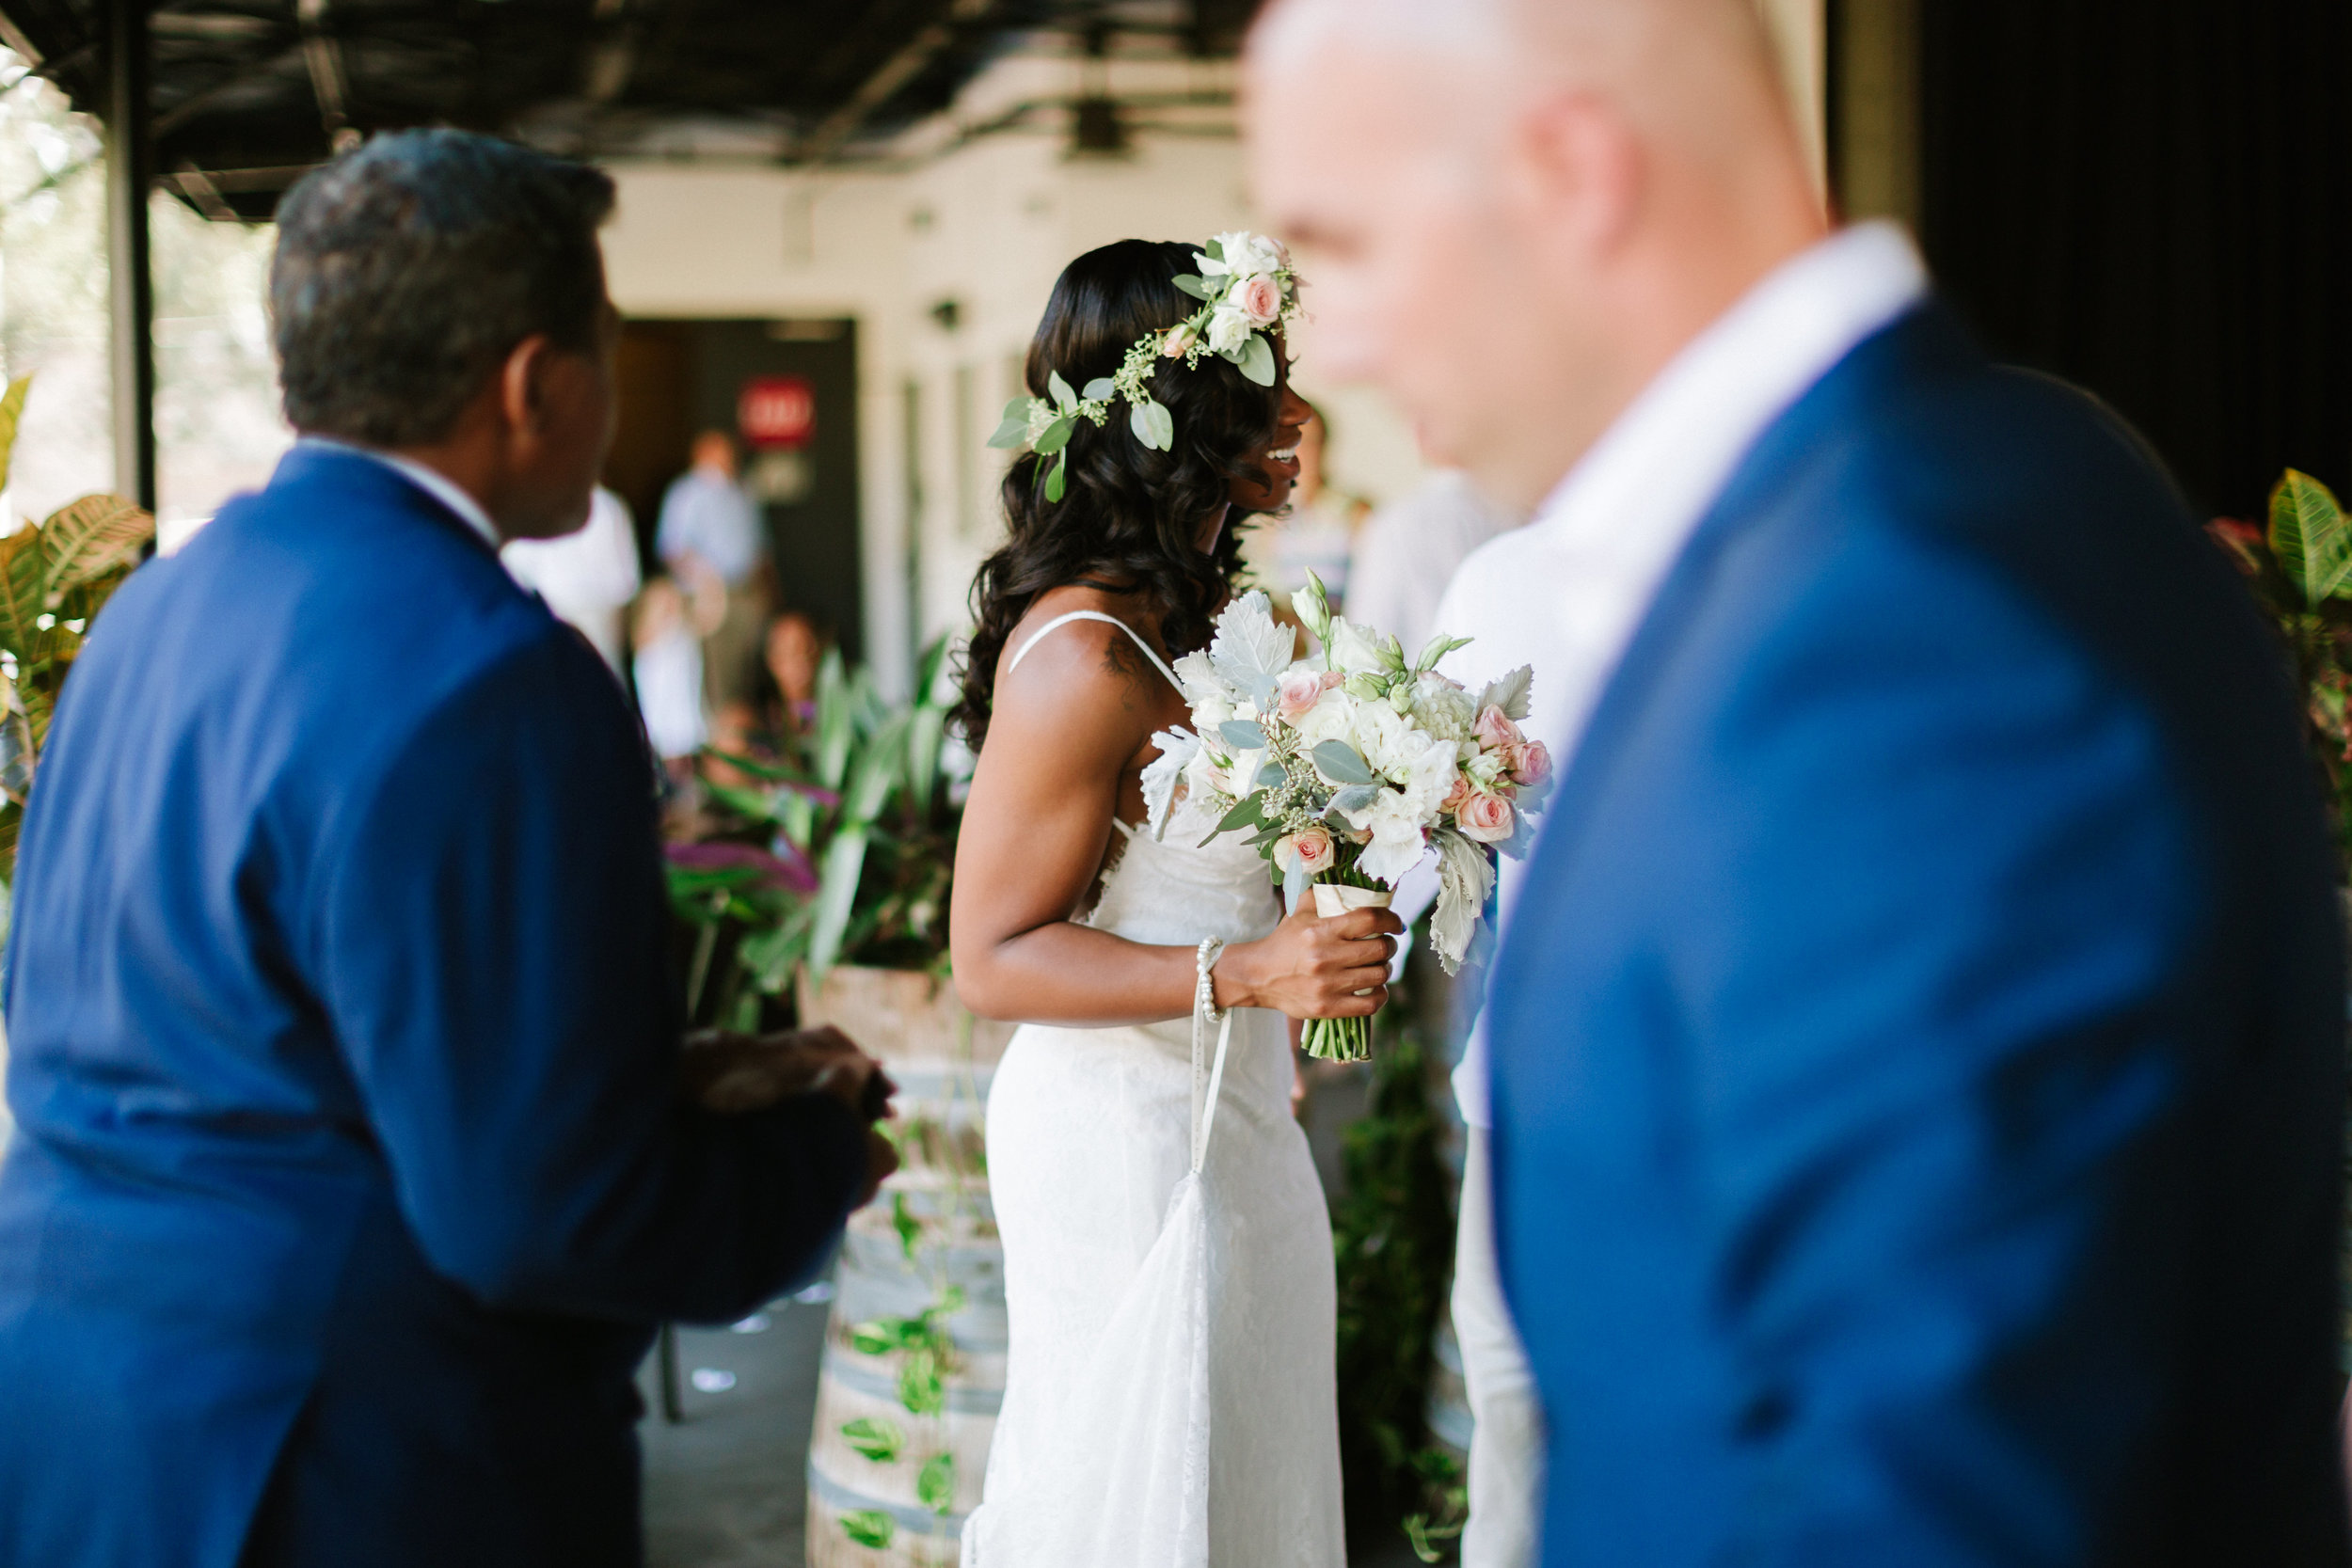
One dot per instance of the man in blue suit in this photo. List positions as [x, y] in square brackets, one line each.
[1917, 1034]
[352, 1170]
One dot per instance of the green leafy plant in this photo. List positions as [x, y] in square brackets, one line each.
[840, 850]
[2299, 568]
[55, 576]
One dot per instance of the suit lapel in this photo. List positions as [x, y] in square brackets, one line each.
[1805, 435]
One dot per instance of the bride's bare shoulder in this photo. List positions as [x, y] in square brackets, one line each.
[1082, 668]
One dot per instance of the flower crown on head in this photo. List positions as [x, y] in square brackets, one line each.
[1246, 289]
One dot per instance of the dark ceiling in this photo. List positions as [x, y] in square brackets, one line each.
[248, 93]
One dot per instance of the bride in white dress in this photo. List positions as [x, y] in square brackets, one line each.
[1169, 1397]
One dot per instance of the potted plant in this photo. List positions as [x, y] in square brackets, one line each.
[824, 888]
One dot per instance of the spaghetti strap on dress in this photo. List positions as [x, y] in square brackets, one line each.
[1157, 662]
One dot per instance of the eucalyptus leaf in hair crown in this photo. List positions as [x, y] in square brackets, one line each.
[1246, 290]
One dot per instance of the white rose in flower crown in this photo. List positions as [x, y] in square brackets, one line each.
[1228, 328]
[1259, 299]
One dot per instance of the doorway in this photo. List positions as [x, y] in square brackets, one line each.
[680, 378]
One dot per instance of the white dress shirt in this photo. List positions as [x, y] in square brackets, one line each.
[438, 486]
[589, 576]
[1566, 592]
[1409, 549]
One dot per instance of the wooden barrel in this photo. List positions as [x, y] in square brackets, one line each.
[914, 1368]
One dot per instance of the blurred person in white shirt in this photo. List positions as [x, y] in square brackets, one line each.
[588, 576]
[1408, 550]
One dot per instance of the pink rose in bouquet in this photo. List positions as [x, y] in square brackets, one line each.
[1297, 692]
[1309, 851]
[1495, 731]
[1486, 819]
[1531, 764]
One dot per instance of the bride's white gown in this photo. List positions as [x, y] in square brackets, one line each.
[1169, 1397]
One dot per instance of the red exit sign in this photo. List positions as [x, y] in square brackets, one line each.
[776, 411]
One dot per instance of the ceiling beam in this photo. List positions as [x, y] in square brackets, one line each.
[901, 68]
[328, 82]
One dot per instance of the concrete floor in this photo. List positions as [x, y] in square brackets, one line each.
[728, 1487]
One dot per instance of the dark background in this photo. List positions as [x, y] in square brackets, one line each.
[2152, 197]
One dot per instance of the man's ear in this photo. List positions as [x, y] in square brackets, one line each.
[1581, 162]
[522, 400]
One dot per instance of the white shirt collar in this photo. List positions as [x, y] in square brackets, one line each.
[1643, 486]
[438, 486]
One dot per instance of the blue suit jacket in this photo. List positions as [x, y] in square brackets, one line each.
[348, 1179]
[1918, 1045]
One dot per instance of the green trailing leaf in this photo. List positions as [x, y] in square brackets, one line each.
[1099, 390]
[1011, 435]
[935, 1485]
[909, 1229]
[922, 1388]
[880, 1441]
[2309, 535]
[1056, 481]
[1064, 398]
[1191, 284]
[870, 1527]
[1255, 360]
[1244, 734]
[11, 410]
[1056, 435]
[1339, 762]
[1153, 425]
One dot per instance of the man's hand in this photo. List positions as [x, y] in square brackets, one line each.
[729, 1072]
[881, 1157]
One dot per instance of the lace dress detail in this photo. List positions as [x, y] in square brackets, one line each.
[1170, 1398]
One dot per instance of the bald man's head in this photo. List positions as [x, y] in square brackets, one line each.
[1513, 210]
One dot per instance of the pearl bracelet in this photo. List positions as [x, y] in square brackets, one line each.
[1204, 991]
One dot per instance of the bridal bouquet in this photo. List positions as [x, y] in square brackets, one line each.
[1348, 767]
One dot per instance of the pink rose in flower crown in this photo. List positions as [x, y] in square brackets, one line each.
[1487, 818]
[1309, 851]
[1259, 299]
[1180, 338]
[1531, 764]
[1495, 731]
[1297, 692]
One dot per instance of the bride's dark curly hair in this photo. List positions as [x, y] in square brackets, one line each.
[1130, 515]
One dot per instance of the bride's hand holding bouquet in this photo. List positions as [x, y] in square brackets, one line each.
[1347, 768]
